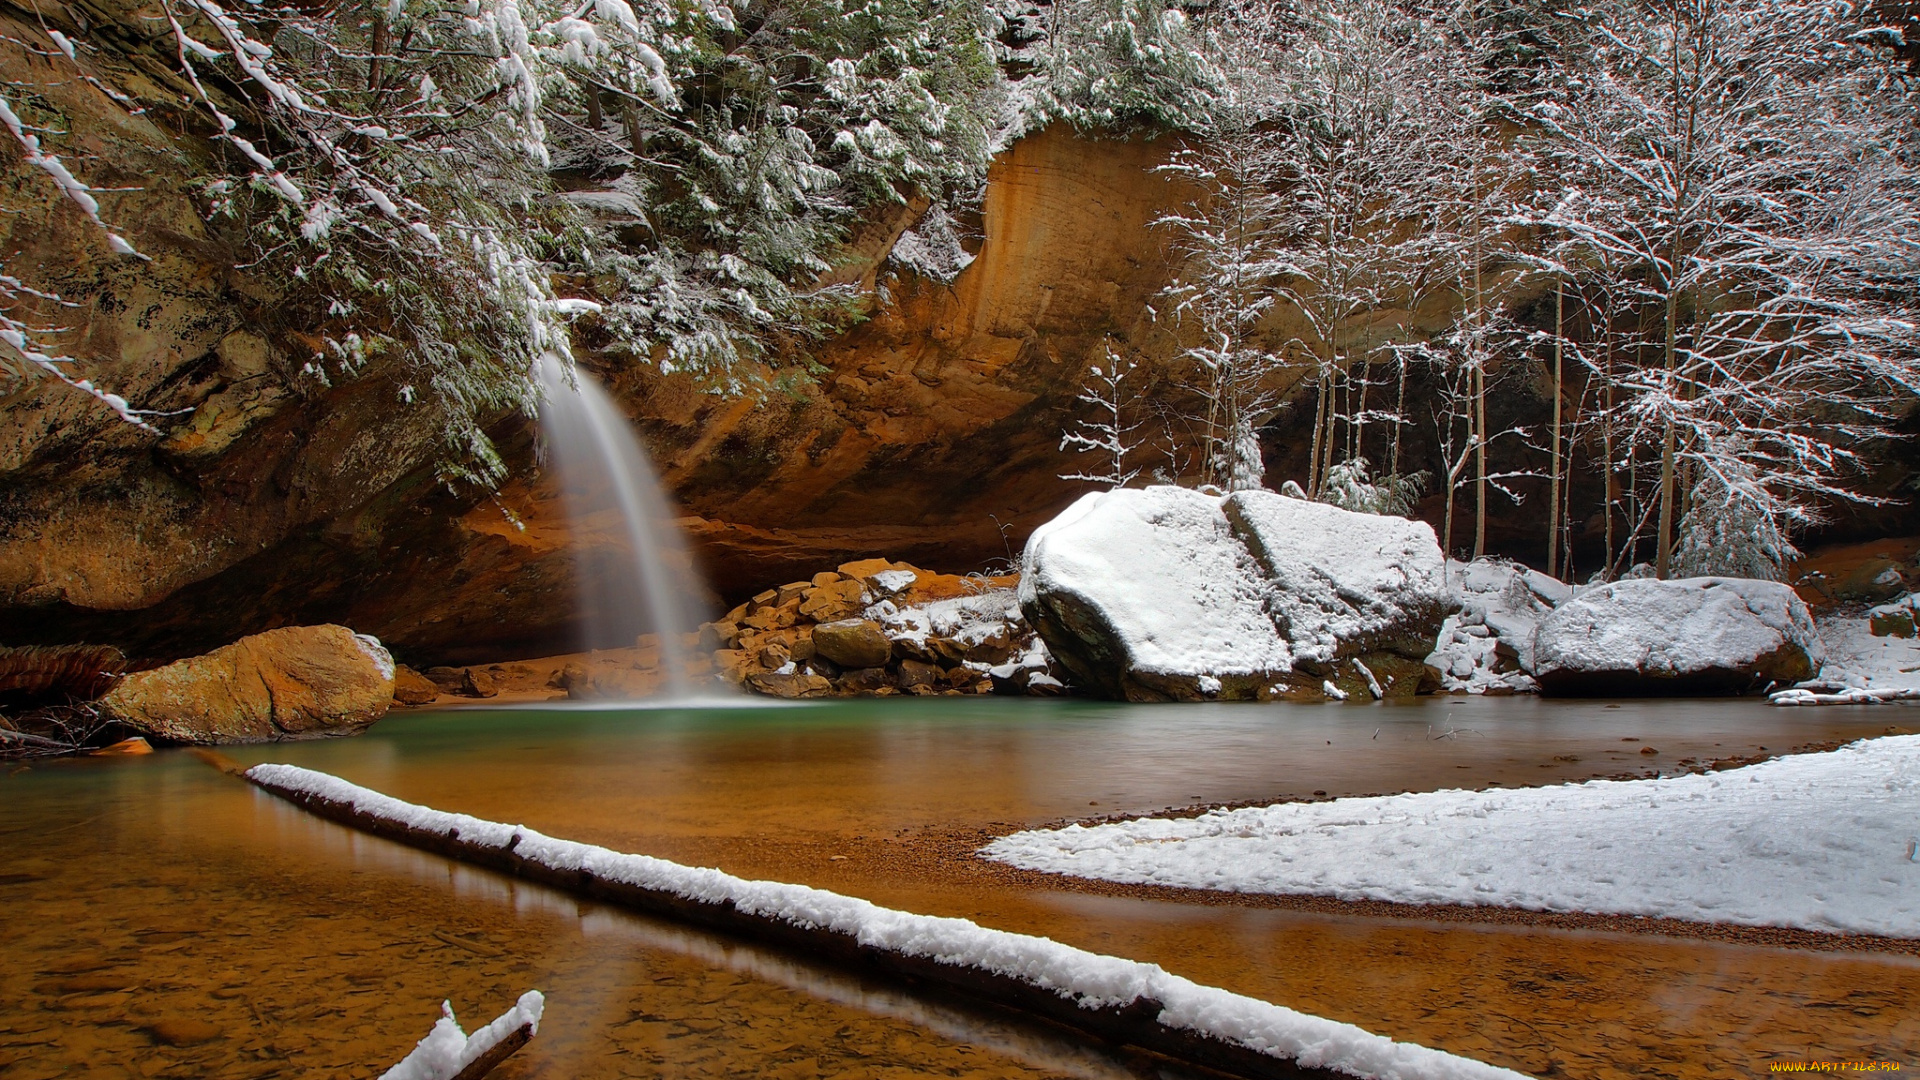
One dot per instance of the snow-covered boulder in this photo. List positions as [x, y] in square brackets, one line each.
[1167, 593]
[1704, 635]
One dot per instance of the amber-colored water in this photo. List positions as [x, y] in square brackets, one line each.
[150, 890]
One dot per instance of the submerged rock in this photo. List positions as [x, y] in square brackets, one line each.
[1165, 593]
[296, 682]
[1702, 635]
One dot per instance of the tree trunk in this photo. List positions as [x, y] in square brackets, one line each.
[1479, 462]
[376, 70]
[1553, 499]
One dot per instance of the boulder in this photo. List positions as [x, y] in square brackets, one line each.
[1894, 619]
[852, 643]
[1705, 635]
[412, 688]
[1164, 593]
[835, 600]
[296, 682]
[789, 685]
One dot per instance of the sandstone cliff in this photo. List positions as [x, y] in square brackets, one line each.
[268, 500]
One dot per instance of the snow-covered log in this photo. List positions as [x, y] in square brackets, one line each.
[1165, 593]
[448, 1053]
[1693, 636]
[1120, 1000]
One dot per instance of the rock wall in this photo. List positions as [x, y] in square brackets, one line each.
[266, 501]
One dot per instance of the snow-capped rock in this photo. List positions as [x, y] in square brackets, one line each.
[1167, 593]
[1691, 636]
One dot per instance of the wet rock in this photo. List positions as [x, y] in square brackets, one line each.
[865, 680]
[183, 1031]
[294, 682]
[412, 688]
[773, 656]
[464, 682]
[1896, 619]
[133, 747]
[791, 685]
[54, 674]
[915, 673]
[1691, 636]
[1876, 580]
[732, 665]
[852, 643]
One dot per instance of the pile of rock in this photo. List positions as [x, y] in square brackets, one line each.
[875, 628]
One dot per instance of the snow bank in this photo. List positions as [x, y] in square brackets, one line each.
[1164, 592]
[1862, 668]
[446, 1050]
[1706, 634]
[1816, 841]
[1088, 980]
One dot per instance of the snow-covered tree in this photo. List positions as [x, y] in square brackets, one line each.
[1111, 438]
[1740, 165]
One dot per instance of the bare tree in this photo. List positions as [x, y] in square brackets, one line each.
[1736, 162]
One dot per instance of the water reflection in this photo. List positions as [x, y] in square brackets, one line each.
[294, 916]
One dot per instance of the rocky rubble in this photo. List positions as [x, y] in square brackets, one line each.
[875, 628]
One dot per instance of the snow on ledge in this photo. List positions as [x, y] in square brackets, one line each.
[1823, 842]
[1090, 980]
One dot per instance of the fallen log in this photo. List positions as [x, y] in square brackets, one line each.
[1803, 696]
[448, 1053]
[1114, 999]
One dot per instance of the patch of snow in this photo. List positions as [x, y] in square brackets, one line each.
[1089, 979]
[446, 1050]
[888, 582]
[969, 620]
[1501, 604]
[1860, 669]
[932, 247]
[1814, 841]
[376, 652]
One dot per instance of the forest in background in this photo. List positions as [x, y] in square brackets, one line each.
[1696, 219]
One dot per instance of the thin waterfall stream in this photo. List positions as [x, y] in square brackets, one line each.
[641, 578]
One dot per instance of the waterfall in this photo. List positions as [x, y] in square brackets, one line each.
[635, 575]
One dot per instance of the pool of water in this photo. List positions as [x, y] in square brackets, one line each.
[143, 893]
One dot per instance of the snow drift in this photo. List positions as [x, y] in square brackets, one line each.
[1817, 841]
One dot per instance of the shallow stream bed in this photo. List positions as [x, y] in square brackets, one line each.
[165, 920]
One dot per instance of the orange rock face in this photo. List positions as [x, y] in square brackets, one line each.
[296, 682]
[931, 434]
